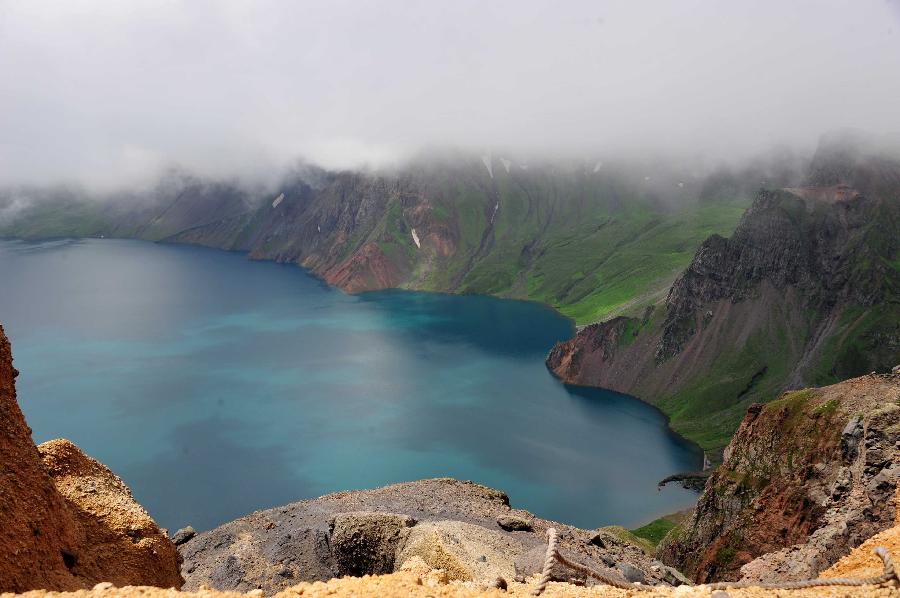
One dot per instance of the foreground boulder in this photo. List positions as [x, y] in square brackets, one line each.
[444, 523]
[805, 479]
[66, 521]
[367, 543]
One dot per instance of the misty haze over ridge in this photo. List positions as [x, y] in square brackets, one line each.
[107, 95]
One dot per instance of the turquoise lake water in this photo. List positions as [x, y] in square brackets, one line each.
[216, 386]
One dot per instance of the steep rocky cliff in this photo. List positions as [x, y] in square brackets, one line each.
[66, 521]
[806, 291]
[805, 479]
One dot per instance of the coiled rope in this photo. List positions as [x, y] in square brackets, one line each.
[553, 555]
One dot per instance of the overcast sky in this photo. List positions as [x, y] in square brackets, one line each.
[109, 92]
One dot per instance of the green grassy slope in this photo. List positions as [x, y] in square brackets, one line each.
[615, 263]
[589, 244]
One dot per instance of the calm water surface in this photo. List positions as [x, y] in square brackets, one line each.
[215, 386]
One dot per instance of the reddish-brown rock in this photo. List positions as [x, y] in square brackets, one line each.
[66, 521]
[805, 479]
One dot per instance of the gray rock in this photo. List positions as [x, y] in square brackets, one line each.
[183, 535]
[842, 482]
[631, 573]
[670, 575]
[514, 523]
[228, 575]
[883, 485]
[850, 437]
[352, 533]
[532, 563]
[604, 539]
[674, 577]
[367, 543]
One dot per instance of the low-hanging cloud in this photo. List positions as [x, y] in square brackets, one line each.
[108, 93]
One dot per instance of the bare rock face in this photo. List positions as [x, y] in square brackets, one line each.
[466, 551]
[440, 523]
[805, 479]
[67, 522]
[367, 543]
[801, 239]
[118, 530]
[801, 294]
[37, 537]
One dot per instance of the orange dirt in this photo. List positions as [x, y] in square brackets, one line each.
[66, 522]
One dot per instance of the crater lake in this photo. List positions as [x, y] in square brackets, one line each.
[214, 386]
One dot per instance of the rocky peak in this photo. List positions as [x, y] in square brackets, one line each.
[805, 479]
[825, 242]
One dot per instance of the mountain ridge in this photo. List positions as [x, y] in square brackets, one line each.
[587, 242]
[805, 292]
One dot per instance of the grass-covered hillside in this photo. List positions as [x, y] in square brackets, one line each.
[806, 291]
[589, 239]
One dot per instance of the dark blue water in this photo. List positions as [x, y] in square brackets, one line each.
[215, 386]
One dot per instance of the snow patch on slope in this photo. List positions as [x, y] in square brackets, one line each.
[487, 164]
[416, 238]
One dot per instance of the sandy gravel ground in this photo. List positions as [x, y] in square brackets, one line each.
[421, 582]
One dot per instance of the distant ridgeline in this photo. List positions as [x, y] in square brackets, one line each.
[591, 239]
[804, 292]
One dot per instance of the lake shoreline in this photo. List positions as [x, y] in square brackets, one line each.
[509, 384]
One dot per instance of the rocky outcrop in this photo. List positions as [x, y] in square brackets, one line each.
[805, 292]
[115, 527]
[458, 527]
[805, 479]
[367, 542]
[417, 579]
[66, 521]
[809, 239]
